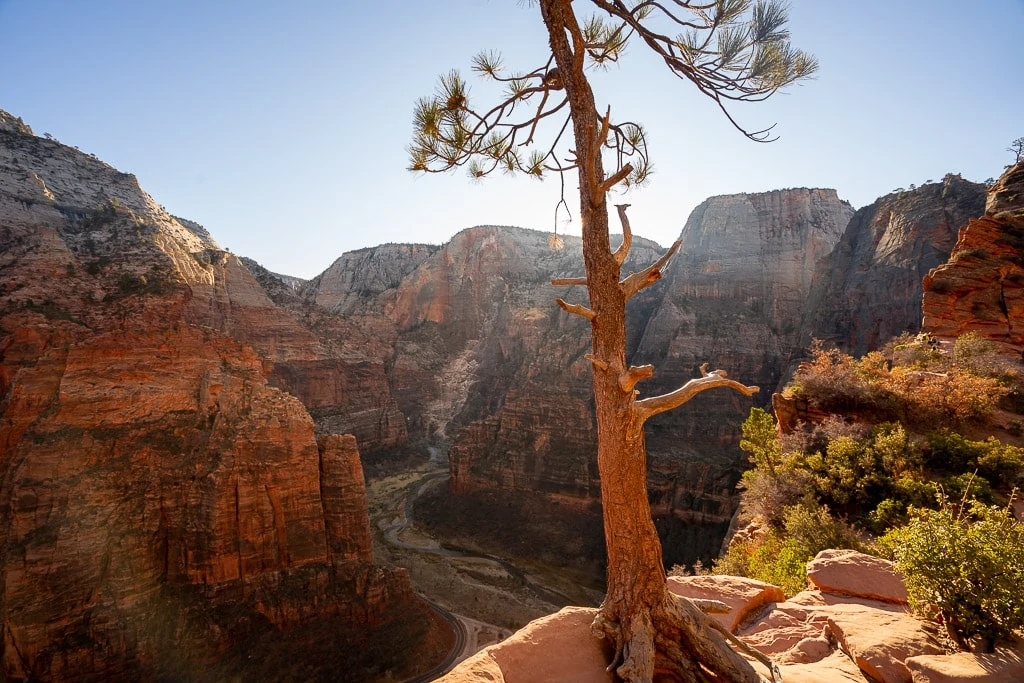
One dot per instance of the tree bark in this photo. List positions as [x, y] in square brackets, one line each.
[652, 630]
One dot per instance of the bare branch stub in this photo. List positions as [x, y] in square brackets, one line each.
[597, 362]
[635, 374]
[577, 309]
[634, 282]
[627, 235]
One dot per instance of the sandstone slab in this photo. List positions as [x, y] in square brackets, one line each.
[848, 572]
[880, 641]
[559, 648]
[1005, 665]
[837, 667]
[743, 596]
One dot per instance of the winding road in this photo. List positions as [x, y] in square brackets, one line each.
[392, 532]
[392, 537]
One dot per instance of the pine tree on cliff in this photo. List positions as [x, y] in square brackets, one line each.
[731, 50]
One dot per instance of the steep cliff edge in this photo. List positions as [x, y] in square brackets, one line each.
[161, 504]
[868, 290]
[981, 288]
[734, 297]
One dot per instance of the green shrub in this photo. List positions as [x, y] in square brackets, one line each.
[966, 563]
[780, 556]
[999, 463]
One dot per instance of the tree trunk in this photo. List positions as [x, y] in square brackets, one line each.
[652, 629]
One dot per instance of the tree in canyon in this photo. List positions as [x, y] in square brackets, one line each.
[730, 50]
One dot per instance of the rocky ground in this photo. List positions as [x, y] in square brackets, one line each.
[851, 624]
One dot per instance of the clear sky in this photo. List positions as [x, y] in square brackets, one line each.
[282, 126]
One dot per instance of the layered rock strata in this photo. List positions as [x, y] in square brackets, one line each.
[734, 298]
[981, 288]
[161, 503]
[479, 357]
[868, 289]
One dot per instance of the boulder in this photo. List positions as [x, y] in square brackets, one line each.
[742, 595]
[880, 641]
[1005, 665]
[552, 649]
[848, 572]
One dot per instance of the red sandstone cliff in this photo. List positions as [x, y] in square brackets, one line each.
[163, 508]
[981, 288]
[868, 289]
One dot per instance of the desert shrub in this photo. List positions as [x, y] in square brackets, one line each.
[971, 346]
[780, 555]
[967, 563]
[925, 393]
[759, 440]
[830, 379]
[872, 477]
[999, 463]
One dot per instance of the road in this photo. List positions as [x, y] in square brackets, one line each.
[453, 656]
[391, 535]
[458, 623]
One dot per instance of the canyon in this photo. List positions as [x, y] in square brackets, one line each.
[167, 511]
[185, 433]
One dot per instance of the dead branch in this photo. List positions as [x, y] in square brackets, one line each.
[635, 374]
[596, 361]
[577, 309]
[616, 178]
[655, 405]
[711, 606]
[569, 281]
[635, 282]
[627, 235]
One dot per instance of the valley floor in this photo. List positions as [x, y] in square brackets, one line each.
[489, 596]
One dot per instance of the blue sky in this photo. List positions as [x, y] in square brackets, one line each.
[282, 126]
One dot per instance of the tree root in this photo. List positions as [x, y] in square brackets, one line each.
[676, 640]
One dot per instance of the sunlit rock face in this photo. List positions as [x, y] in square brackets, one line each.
[161, 503]
[481, 359]
[981, 287]
[868, 290]
[734, 298]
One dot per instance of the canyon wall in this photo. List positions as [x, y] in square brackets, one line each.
[733, 298]
[868, 289]
[162, 504]
[981, 288]
[482, 360]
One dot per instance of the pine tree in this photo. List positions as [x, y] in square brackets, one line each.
[731, 50]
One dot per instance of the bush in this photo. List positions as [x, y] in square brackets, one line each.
[999, 463]
[921, 390]
[966, 563]
[780, 556]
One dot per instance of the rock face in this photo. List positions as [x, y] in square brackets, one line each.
[161, 503]
[477, 354]
[733, 298]
[981, 288]
[479, 357]
[868, 289]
